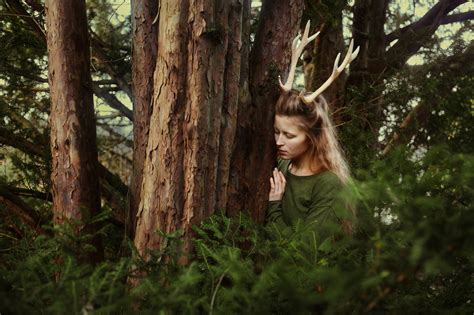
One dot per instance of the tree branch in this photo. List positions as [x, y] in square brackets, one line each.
[31, 193]
[112, 101]
[9, 138]
[21, 209]
[15, 7]
[453, 65]
[442, 8]
[459, 17]
[98, 52]
[417, 34]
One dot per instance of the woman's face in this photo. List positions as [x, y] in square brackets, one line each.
[291, 140]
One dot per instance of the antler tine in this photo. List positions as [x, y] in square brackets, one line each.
[296, 51]
[336, 71]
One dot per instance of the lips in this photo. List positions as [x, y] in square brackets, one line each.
[281, 152]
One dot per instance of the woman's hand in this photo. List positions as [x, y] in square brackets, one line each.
[277, 186]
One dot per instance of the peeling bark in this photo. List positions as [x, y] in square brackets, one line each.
[74, 175]
[161, 203]
[145, 38]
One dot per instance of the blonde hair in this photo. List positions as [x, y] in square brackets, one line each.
[315, 121]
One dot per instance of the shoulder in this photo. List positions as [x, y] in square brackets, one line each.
[328, 183]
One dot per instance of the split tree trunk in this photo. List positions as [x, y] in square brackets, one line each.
[75, 179]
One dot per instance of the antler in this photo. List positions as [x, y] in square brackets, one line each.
[296, 51]
[336, 71]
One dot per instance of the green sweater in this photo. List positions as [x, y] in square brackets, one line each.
[309, 199]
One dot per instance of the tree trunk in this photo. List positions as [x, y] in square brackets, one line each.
[161, 201]
[364, 85]
[144, 61]
[197, 106]
[74, 175]
[326, 17]
[254, 153]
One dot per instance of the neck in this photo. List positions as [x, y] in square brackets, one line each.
[305, 166]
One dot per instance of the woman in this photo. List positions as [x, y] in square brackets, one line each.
[312, 171]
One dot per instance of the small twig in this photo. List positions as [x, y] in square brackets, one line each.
[215, 291]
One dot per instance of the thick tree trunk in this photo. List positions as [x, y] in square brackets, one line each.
[364, 84]
[188, 171]
[234, 83]
[145, 38]
[254, 154]
[75, 179]
[195, 104]
[161, 205]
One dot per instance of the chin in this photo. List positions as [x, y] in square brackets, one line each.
[283, 156]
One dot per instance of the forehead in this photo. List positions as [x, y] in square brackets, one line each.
[288, 124]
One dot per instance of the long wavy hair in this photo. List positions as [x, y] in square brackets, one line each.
[314, 119]
[325, 149]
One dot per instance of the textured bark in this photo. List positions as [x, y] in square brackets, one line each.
[197, 103]
[145, 38]
[161, 203]
[233, 83]
[207, 47]
[254, 154]
[73, 132]
[192, 126]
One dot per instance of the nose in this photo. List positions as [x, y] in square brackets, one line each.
[279, 140]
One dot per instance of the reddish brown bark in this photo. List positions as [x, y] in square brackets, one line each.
[193, 122]
[143, 65]
[207, 48]
[73, 132]
[161, 204]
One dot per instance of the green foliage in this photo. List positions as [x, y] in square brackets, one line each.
[413, 252]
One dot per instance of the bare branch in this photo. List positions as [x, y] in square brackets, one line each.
[432, 17]
[16, 7]
[460, 17]
[31, 193]
[21, 209]
[417, 34]
[9, 138]
[112, 101]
